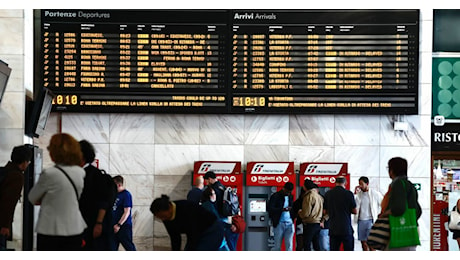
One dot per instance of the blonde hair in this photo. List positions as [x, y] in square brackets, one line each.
[65, 149]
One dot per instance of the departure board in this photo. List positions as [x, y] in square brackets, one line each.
[230, 61]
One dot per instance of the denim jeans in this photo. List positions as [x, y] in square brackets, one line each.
[283, 230]
[2, 243]
[324, 240]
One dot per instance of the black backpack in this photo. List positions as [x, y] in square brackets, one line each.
[2, 174]
[112, 187]
[230, 203]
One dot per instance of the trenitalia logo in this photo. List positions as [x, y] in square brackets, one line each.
[323, 169]
[270, 168]
[218, 168]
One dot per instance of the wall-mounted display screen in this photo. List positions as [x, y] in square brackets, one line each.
[446, 32]
[230, 61]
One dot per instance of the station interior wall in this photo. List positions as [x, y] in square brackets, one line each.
[155, 152]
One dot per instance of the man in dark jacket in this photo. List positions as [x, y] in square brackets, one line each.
[10, 190]
[96, 203]
[339, 204]
[279, 210]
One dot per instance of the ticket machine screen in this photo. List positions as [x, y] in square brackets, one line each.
[257, 205]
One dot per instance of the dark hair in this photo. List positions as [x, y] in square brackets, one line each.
[21, 154]
[209, 174]
[309, 184]
[88, 151]
[398, 165]
[118, 179]
[160, 204]
[340, 180]
[289, 186]
[207, 194]
[364, 179]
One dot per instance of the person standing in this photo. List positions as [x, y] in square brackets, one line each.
[96, 202]
[196, 192]
[368, 207]
[339, 204]
[230, 236]
[401, 192]
[279, 210]
[122, 219]
[60, 224]
[311, 214]
[10, 190]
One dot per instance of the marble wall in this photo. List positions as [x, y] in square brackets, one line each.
[155, 152]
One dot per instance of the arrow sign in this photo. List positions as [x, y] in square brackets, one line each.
[417, 186]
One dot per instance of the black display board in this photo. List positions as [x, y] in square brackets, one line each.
[230, 61]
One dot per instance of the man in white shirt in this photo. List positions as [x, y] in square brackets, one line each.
[368, 206]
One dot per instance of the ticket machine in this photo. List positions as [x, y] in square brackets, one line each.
[229, 174]
[324, 174]
[262, 180]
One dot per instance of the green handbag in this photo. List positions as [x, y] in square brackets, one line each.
[403, 229]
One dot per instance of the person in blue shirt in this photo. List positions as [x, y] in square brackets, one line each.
[279, 210]
[122, 220]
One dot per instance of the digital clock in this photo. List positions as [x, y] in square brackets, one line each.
[249, 101]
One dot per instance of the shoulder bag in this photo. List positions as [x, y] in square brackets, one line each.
[379, 234]
[73, 185]
[403, 229]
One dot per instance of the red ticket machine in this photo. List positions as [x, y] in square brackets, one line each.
[324, 174]
[262, 180]
[229, 174]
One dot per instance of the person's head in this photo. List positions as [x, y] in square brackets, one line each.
[162, 208]
[340, 181]
[21, 156]
[64, 149]
[288, 187]
[364, 183]
[209, 194]
[88, 151]
[199, 181]
[309, 185]
[119, 181]
[210, 177]
[397, 166]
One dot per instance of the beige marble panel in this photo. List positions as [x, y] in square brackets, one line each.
[12, 110]
[362, 160]
[266, 130]
[301, 154]
[8, 13]
[418, 159]
[9, 139]
[142, 221]
[265, 153]
[221, 153]
[92, 127]
[317, 130]
[132, 159]
[418, 133]
[357, 130]
[177, 129]
[221, 129]
[132, 128]
[140, 187]
[175, 159]
[14, 29]
[16, 79]
[174, 186]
